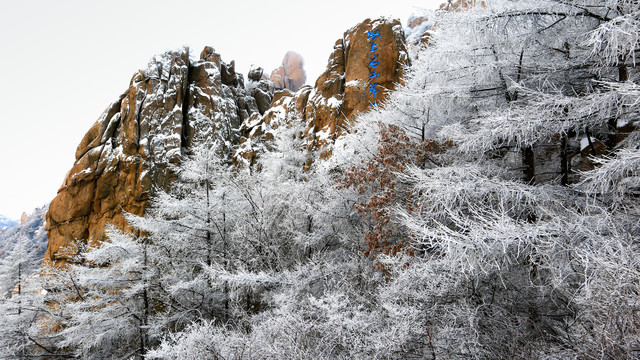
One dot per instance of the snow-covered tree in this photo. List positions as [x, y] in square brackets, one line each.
[22, 259]
[500, 259]
[22, 248]
[518, 265]
[293, 242]
[381, 190]
[526, 77]
[20, 305]
[103, 302]
[22, 299]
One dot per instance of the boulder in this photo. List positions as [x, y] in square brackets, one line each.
[255, 73]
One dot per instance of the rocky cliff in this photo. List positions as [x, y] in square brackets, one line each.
[177, 103]
[172, 105]
[365, 65]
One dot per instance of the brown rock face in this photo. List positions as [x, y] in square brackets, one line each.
[365, 65]
[170, 107]
[290, 75]
[176, 104]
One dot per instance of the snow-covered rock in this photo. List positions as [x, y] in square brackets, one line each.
[179, 102]
[176, 103]
[365, 66]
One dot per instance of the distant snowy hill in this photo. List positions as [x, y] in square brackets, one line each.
[22, 244]
[5, 222]
[32, 229]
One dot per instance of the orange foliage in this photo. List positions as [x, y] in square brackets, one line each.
[381, 190]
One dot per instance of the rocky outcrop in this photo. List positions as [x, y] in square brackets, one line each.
[417, 31]
[365, 65]
[290, 75]
[171, 106]
[176, 104]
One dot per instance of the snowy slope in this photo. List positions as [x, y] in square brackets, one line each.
[5, 222]
[32, 229]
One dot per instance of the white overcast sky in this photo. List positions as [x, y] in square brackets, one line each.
[64, 61]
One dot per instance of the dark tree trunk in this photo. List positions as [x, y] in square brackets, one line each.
[612, 124]
[19, 288]
[565, 166]
[528, 161]
[145, 317]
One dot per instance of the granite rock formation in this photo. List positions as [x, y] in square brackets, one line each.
[460, 5]
[171, 106]
[341, 92]
[176, 104]
[417, 31]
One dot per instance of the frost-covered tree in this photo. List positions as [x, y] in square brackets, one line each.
[518, 264]
[189, 229]
[381, 191]
[122, 297]
[21, 303]
[217, 248]
[526, 77]
[22, 299]
[22, 248]
[104, 302]
[297, 236]
[22, 259]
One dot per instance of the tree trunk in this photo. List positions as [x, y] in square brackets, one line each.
[209, 242]
[145, 299]
[528, 161]
[226, 259]
[19, 288]
[612, 124]
[564, 162]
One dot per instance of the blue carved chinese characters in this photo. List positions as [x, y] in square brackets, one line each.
[372, 35]
[373, 64]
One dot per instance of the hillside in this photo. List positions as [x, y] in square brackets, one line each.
[470, 195]
[5, 222]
